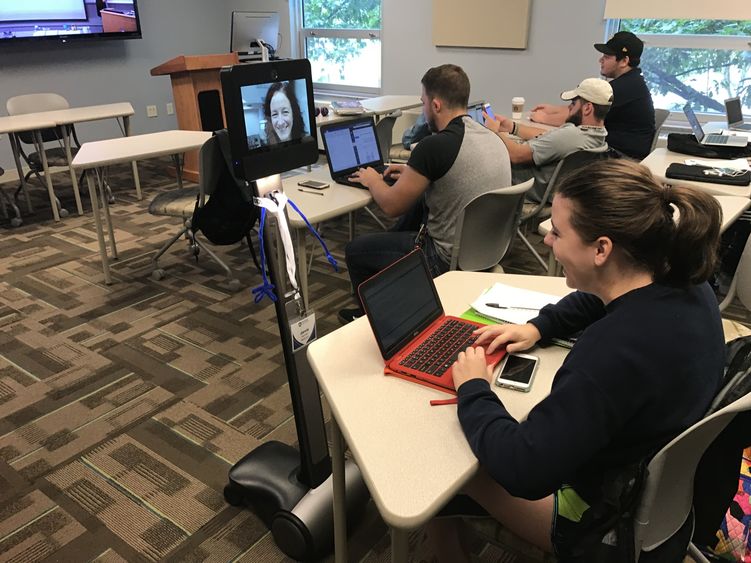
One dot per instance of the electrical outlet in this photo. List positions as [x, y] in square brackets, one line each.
[151, 111]
[170, 108]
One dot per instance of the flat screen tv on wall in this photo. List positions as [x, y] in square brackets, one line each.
[68, 20]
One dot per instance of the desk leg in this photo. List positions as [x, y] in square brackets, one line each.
[399, 545]
[136, 178]
[15, 149]
[351, 216]
[98, 225]
[108, 218]
[340, 504]
[67, 130]
[48, 179]
[302, 264]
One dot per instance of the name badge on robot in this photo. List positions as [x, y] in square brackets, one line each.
[302, 326]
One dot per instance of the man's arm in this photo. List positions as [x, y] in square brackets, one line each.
[519, 153]
[397, 199]
[549, 114]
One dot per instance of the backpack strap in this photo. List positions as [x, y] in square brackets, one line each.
[223, 139]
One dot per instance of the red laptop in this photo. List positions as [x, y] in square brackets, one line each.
[417, 340]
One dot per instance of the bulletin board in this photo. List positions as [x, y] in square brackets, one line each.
[492, 24]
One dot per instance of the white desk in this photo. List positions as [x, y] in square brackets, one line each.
[732, 208]
[659, 159]
[413, 457]
[126, 149]
[381, 105]
[66, 118]
[334, 201]
[14, 124]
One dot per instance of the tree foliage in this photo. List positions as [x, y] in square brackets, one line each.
[724, 72]
[339, 14]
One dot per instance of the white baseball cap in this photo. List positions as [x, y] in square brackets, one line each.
[595, 90]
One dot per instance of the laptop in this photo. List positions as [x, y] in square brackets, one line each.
[351, 145]
[417, 340]
[734, 114]
[712, 139]
[474, 110]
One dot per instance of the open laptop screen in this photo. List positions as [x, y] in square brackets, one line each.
[351, 144]
[694, 122]
[734, 111]
[401, 301]
[475, 112]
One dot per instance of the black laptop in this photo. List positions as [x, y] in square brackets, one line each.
[351, 145]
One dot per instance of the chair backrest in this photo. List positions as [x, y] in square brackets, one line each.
[668, 491]
[486, 227]
[660, 116]
[31, 103]
[566, 165]
[384, 132]
[740, 287]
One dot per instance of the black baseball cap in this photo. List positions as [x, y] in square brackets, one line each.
[622, 44]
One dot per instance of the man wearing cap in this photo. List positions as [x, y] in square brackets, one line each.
[631, 120]
[540, 150]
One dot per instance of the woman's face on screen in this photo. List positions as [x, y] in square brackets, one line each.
[281, 115]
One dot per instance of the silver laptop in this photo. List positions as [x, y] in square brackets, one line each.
[474, 110]
[712, 139]
[734, 114]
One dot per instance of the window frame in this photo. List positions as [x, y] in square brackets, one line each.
[304, 33]
[687, 41]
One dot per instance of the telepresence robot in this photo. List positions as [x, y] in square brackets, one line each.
[290, 490]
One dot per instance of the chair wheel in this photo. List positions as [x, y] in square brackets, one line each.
[16, 222]
[157, 274]
[111, 200]
[194, 250]
[63, 212]
[233, 496]
[234, 284]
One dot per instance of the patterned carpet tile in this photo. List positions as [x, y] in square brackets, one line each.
[193, 424]
[33, 527]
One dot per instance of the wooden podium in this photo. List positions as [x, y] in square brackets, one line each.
[195, 77]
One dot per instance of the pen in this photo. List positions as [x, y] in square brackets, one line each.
[438, 402]
[497, 306]
[309, 192]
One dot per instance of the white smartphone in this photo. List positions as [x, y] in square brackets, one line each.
[313, 184]
[516, 371]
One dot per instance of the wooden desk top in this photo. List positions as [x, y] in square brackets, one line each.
[659, 159]
[136, 147]
[414, 457]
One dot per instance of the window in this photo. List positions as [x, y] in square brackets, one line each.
[342, 40]
[701, 61]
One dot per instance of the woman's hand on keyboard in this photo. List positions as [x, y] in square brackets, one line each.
[514, 337]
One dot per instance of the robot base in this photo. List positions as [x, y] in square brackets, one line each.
[301, 520]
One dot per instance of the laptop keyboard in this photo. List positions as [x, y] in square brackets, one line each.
[438, 352]
[716, 139]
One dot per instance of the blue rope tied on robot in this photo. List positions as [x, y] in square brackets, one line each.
[266, 289]
[312, 229]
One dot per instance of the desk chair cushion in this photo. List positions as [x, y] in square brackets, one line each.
[55, 157]
[175, 203]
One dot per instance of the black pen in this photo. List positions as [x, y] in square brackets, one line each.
[309, 192]
[497, 306]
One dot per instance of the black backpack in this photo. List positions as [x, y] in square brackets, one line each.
[230, 214]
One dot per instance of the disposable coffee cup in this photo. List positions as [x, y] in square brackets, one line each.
[517, 107]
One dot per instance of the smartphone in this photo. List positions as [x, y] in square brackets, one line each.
[488, 110]
[517, 371]
[313, 184]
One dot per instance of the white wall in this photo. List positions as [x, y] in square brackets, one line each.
[558, 56]
[559, 52]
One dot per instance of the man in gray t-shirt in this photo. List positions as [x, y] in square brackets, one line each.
[535, 152]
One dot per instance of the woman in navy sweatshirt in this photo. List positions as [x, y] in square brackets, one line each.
[646, 366]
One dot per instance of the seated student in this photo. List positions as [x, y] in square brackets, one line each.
[542, 149]
[444, 172]
[631, 119]
[645, 368]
